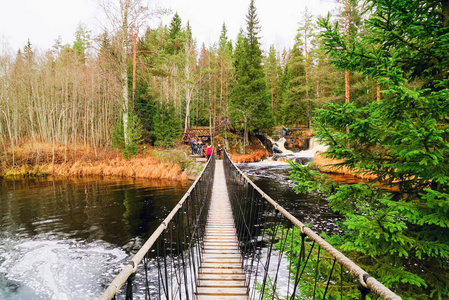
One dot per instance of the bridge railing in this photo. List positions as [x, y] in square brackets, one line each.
[169, 260]
[268, 235]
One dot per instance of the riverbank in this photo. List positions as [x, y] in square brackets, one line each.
[329, 165]
[43, 159]
[255, 156]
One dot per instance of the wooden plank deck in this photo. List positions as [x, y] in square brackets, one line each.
[221, 274]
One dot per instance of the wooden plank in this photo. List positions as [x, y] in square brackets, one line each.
[221, 291]
[221, 297]
[220, 251]
[219, 256]
[233, 265]
[221, 241]
[207, 270]
[221, 275]
[236, 277]
[221, 283]
[222, 261]
[218, 247]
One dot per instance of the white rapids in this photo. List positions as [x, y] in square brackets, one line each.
[301, 156]
[62, 269]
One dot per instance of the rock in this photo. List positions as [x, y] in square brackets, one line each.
[303, 160]
[275, 157]
[276, 149]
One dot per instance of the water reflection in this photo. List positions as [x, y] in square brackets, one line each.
[112, 210]
[66, 238]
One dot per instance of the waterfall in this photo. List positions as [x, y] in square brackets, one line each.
[279, 146]
[303, 157]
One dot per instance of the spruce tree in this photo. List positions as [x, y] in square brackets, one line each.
[175, 32]
[399, 235]
[295, 104]
[272, 70]
[224, 57]
[250, 101]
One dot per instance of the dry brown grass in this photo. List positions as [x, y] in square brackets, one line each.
[37, 159]
[328, 165]
[256, 156]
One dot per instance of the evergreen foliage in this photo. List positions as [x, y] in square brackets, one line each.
[128, 142]
[250, 99]
[399, 235]
[175, 33]
[295, 107]
[167, 126]
[273, 72]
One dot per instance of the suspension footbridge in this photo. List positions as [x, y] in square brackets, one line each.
[227, 239]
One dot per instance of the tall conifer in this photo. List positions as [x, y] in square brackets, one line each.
[401, 235]
[250, 100]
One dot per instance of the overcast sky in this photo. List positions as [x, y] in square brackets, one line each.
[43, 21]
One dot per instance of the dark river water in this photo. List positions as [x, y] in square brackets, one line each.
[273, 178]
[67, 238]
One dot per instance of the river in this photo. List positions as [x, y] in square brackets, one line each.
[67, 238]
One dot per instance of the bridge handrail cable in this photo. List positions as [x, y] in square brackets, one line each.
[132, 265]
[363, 277]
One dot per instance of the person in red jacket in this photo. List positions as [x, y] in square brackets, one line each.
[208, 151]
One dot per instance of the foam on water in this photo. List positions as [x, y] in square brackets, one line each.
[60, 269]
[314, 147]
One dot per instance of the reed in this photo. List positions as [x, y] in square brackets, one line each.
[257, 155]
[40, 159]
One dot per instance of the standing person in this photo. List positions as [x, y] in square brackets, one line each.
[219, 151]
[192, 144]
[208, 151]
[284, 130]
[198, 147]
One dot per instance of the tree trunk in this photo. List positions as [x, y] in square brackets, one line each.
[123, 67]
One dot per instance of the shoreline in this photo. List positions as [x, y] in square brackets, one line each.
[327, 165]
[34, 160]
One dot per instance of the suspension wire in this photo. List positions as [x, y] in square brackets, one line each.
[172, 254]
[191, 260]
[129, 286]
[241, 186]
[173, 274]
[159, 273]
[181, 243]
[291, 255]
[328, 281]
[297, 278]
[164, 250]
[147, 285]
[341, 281]
[299, 262]
[281, 253]
[267, 263]
[316, 271]
[257, 243]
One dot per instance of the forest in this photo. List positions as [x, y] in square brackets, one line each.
[371, 80]
[87, 92]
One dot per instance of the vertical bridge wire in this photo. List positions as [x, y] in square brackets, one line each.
[171, 256]
[259, 238]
